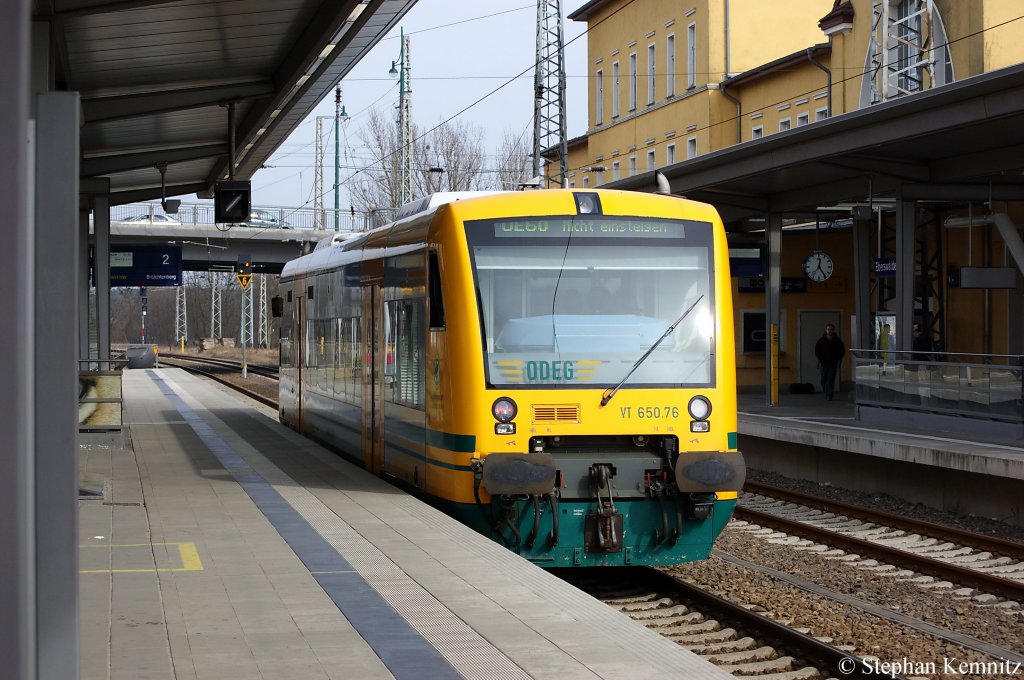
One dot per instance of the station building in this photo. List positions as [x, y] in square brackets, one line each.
[672, 83]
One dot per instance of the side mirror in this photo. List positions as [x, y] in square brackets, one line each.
[277, 306]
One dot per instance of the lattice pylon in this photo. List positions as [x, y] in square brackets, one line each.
[245, 332]
[900, 48]
[549, 124]
[216, 329]
[405, 139]
[181, 315]
[264, 326]
[318, 176]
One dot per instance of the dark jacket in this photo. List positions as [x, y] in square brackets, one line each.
[829, 351]
[922, 346]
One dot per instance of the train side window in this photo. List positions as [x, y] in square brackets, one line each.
[405, 349]
[436, 297]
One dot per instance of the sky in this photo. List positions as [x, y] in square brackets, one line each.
[460, 52]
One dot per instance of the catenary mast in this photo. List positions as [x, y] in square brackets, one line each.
[549, 91]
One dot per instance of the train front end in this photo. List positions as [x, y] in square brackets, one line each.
[606, 425]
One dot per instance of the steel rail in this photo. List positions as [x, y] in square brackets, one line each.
[918, 526]
[787, 640]
[925, 565]
[790, 639]
[266, 401]
[265, 371]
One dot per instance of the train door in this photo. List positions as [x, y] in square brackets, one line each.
[812, 326]
[372, 381]
[299, 355]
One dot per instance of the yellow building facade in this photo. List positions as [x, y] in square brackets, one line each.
[673, 81]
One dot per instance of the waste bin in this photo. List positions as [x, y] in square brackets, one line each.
[141, 356]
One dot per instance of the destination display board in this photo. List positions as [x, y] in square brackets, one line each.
[145, 265]
[609, 228]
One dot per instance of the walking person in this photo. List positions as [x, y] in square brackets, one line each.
[829, 350]
[921, 344]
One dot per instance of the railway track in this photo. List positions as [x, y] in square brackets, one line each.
[739, 640]
[257, 369]
[971, 565]
[226, 372]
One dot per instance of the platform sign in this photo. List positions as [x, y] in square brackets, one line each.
[243, 280]
[145, 265]
[885, 267]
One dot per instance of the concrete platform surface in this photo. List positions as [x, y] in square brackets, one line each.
[225, 546]
[810, 420]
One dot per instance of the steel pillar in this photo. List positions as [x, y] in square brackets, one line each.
[772, 294]
[56, 383]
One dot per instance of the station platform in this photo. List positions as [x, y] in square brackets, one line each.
[970, 471]
[226, 546]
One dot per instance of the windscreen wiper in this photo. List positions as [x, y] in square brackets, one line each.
[611, 393]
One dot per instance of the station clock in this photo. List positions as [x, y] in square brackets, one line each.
[818, 266]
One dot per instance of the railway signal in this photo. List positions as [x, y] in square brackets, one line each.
[232, 201]
[244, 276]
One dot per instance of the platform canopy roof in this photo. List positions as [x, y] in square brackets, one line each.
[952, 144]
[156, 78]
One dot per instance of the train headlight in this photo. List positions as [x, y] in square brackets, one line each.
[587, 203]
[504, 409]
[699, 408]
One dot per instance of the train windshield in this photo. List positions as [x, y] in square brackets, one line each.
[576, 301]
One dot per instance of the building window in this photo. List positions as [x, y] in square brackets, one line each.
[632, 81]
[615, 89]
[650, 160]
[616, 174]
[670, 154]
[691, 147]
[586, 182]
[691, 56]
[784, 124]
[599, 177]
[670, 66]
[803, 119]
[632, 165]
[820, 114]
[757, 133]
[599, 99]
[651, 68]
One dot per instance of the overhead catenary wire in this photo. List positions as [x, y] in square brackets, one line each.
[860, 73]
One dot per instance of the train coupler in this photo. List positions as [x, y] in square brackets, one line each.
[659, 487]
[603, 528]
[699, 506]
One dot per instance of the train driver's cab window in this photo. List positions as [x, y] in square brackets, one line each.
[583, 309]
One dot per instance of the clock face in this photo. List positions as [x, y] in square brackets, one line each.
[818, 266]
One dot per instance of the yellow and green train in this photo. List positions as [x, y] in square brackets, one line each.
[554, 368]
